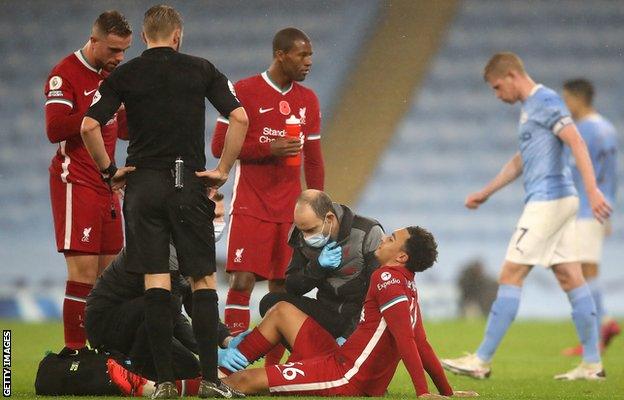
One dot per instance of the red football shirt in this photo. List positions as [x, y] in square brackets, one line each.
[264, 187]
[72, 83]
[390, 329]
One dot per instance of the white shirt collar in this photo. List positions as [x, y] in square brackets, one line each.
[268, 80]
[535, 89]
[84, 61]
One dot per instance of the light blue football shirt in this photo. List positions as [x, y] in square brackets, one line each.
[601, 139]
[545, 170]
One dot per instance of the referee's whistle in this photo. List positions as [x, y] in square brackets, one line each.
[179, 174]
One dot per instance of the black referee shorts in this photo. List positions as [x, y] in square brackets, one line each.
[330, 320]
[155, 212]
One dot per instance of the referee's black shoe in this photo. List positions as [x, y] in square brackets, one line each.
[166, 390]
[221, 390]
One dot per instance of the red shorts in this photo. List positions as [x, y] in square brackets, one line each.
[258, 246]
[312, 369]
[83, 221]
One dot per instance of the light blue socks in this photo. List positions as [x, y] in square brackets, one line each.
[502, 314]
[584, 317]
[596, 293]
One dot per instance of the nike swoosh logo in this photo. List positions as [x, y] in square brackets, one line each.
[265, 110]
[88, 93]
[225, 393]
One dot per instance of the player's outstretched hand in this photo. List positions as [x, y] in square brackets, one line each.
[213, 178]
[284, 147]
[600, 206]
[118, 181]
[474, 200]
[465, 393]
[432, 396]
[331, 256]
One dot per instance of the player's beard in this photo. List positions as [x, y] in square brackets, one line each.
[109, 67]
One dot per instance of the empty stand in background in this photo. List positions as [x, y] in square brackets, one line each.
[457, 135]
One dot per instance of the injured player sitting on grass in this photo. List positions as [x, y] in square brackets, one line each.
[390, 330]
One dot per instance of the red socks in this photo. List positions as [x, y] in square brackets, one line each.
[255, 346]
[237, 311]
[73, 314]
[188, 387]
[274, 356]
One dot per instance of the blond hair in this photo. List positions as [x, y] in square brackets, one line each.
[160, 21]
[500, 64]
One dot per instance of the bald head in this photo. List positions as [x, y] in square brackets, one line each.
[314, 212]
[318, 202]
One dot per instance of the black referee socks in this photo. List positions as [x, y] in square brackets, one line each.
[205, 320]
[159, 326]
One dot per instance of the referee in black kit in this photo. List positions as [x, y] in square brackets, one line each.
[164, 94]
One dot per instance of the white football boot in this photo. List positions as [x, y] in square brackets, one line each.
[469, 365]
[585, 371]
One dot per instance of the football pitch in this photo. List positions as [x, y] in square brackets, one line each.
[523, 368]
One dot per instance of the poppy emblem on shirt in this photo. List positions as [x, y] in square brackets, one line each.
[284, 107]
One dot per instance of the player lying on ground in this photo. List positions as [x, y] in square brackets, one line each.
[390, 330]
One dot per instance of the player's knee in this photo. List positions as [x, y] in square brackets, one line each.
[280, 309]
[283, 309]
[568, 276]
[268, 301]
[512, 274]
[242, 281]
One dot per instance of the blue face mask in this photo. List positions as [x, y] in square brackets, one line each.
[318, 240]
[219, 228]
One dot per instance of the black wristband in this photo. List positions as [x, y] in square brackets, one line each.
[109, 172]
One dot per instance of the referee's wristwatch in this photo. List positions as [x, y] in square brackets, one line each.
[109, 172]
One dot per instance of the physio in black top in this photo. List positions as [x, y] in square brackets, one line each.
[164, 94]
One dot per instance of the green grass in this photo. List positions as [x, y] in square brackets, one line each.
[523, 368]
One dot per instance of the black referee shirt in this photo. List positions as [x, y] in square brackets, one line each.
[163, 92]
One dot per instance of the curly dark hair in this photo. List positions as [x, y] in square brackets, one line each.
[421, 248]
